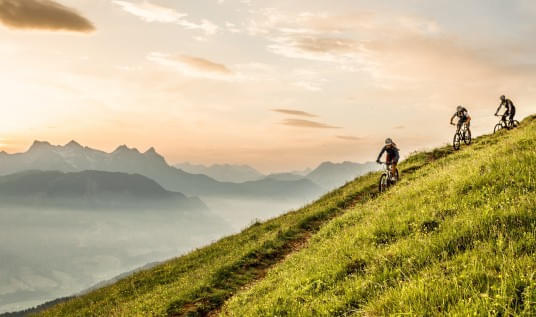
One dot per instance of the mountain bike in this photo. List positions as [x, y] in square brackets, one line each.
[387, 178]
[462, 134]
[505, 124]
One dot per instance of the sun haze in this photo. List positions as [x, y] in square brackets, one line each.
[279, 86]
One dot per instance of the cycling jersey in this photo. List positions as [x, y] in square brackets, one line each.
[510, 109]
[392, 153]
[462, 115]
[509, 105]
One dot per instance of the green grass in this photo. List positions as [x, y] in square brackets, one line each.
[456, 236]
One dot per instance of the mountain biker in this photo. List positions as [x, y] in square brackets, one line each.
[463, 117]
[510, 109]
[392, 156]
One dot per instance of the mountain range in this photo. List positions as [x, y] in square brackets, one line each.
[332, 175]
[235, 181]
[327, 175]
[223, 172]
[73, 157]
[91, 190]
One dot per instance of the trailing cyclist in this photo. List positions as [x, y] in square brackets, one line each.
[510, 111]
[392, 156]
[463, 118]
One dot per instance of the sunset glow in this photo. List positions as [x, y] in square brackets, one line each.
[278, 85]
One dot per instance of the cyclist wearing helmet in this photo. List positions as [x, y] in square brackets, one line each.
[463, 117]
[510, 109]
[392, 155]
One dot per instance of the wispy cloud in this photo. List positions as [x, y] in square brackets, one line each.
[313, 47]
[399, 127]
[300, 123]
[150, 12]
[42, 14]
[345, 39]
[349, 138]
[294, 112]
[192, 66]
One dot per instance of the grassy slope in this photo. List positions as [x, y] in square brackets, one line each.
[461, 240]
[383, 256]
[203, 279]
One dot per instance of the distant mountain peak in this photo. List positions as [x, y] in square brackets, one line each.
[73, 145]
[36, 145]
[125, 149]
[151, 151]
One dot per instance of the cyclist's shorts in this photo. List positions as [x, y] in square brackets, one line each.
[392, 160]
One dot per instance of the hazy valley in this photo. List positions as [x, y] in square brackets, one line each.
[72, 217]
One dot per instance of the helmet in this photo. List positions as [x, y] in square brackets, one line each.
[459, 108]
[388, 141]
[503, 97]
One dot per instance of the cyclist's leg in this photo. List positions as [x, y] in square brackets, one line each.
[394, 170]
[512, 114]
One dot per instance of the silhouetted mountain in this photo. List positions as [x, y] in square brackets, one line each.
[331, 175]
[91, 189]
[223, 172]
[74, 158]
[285, 176]
[303, 172]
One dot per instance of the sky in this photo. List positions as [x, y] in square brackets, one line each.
[278, 85]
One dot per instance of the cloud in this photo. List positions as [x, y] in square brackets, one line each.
[399, 127]
[349, 138]
[300, 123]
[313, 47]
[294, 112]
[192, 66]
[42, 14]
[150, 12]
[398, 53]
[339, 38]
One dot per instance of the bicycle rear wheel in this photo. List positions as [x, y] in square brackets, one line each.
[467, 137]
[497, 128]
[456, 141]
[384, 183]
[515, 124]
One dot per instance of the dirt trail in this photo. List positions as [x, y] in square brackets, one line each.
[253, 267]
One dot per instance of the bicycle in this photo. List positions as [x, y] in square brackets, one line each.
[505, 124]
[462, 133]
[387, 178]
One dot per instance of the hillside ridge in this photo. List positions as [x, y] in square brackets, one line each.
[241, 275]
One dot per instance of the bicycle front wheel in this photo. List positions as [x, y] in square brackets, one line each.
[456, 142]
[467, 137]
[384, 183]
[498, 127]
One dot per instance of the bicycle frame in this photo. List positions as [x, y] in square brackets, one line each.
[386, 179]
[463, 128]
[462, 135]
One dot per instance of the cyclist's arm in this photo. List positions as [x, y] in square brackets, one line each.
[498, 109]
[452, 118]
[381, 153]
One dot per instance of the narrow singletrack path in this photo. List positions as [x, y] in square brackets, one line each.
[254, 266]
